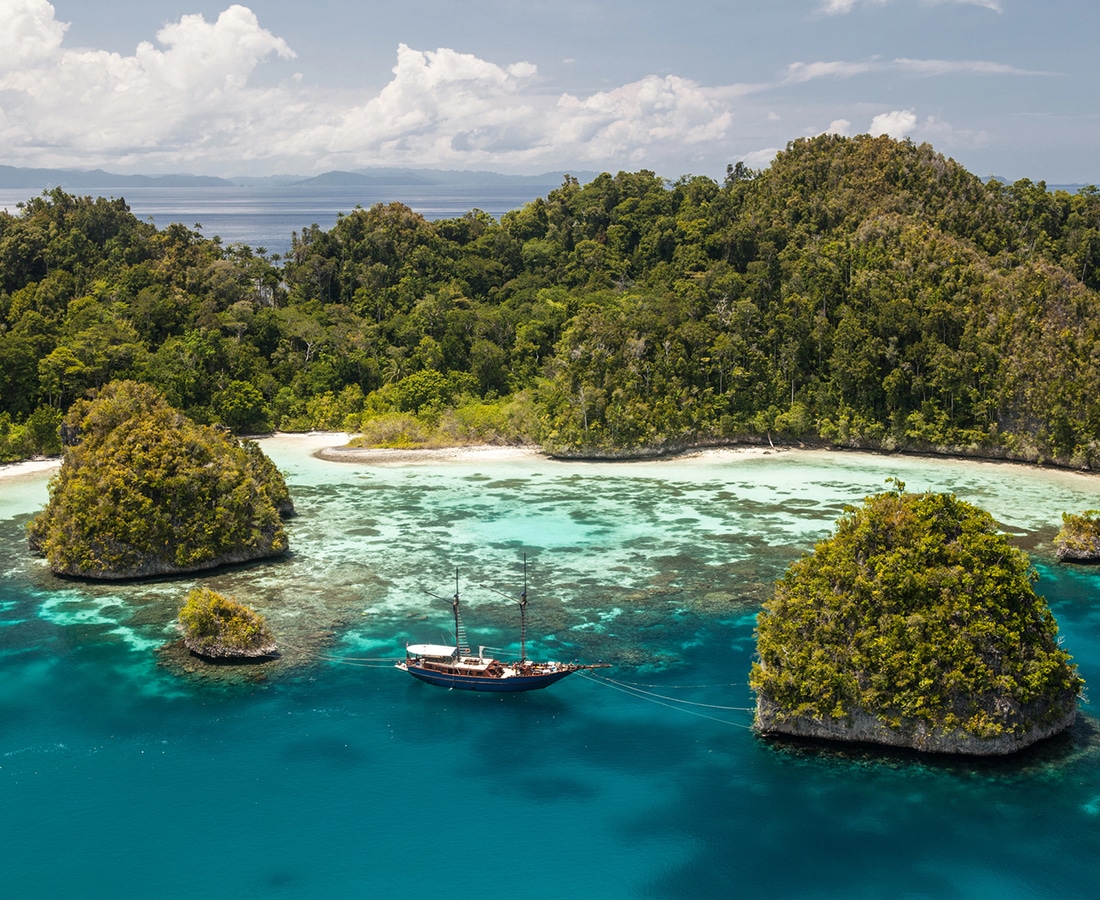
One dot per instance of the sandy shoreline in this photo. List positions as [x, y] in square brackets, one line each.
[331, 446]
[495, 453]
[385, 456]
[29, 467]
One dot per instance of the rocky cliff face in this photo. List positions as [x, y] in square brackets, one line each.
[1083, 550]
[145, 564]
[863, 727]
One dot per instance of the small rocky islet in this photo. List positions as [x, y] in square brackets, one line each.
[143, 492]
[915, 625]
[1078, 541]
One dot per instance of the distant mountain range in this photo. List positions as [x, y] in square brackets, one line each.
[12, 177]
[37, 180]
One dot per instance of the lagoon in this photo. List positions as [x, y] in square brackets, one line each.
[329, 773]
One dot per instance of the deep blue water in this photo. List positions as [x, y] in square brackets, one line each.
[122, 777]
[267, 216]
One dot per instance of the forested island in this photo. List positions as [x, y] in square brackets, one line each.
[914, 625]
[860, 292]
[144, 491]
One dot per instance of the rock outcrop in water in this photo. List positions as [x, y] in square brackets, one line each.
[218, 627]
[144, 491]
[915, 625]
[1079, 538]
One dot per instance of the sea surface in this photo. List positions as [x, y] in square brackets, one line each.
[268, 216]
[328, 773]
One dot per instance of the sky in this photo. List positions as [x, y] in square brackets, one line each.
[263, 87]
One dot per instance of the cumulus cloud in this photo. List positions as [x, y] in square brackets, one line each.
[898, 124]
[30, 34]
[59, 102]
[618, 123]
[433, 94]
[449, 108]
[189, 101]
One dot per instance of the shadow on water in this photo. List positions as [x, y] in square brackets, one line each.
[859, 817]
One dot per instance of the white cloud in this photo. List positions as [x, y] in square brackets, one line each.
[933, 67]
[188, 103]
[838, 126]
[623, 122]
[841, 7]
[30, 34]
[801, 72]
[898, 124]
[62, 103]
[760, 159]
[432, 94]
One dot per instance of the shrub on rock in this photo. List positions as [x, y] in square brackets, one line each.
[219, 627]
[1079, 538]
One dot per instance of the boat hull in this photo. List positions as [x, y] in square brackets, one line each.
[511, 685]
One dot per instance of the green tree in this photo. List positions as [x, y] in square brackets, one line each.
[242, 407]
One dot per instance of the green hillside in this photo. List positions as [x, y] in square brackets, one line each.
[860, 292]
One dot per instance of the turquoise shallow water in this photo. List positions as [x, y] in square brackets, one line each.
[121, 777]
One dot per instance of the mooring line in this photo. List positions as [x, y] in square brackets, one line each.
[677, 687]
[626, 685]
[366, 662]
[675, 704]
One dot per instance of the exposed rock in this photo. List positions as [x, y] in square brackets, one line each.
[218, 651]
[916, 734]
[1079, 539]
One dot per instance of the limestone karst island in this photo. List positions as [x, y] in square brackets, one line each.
[915, 625]
[143, 491]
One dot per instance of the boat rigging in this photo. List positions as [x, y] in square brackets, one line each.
[457, 667]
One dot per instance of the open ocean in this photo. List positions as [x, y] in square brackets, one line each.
[329, 773]
[267, 216]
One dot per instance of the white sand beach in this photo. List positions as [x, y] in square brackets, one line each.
[383, 456]
[29, 467]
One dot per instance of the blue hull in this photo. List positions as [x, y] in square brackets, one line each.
[495, 685]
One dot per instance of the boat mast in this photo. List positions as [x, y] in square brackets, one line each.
[461, 641]
[523, 615]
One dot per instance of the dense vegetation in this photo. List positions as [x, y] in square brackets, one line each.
[917, 613]
[860, 291]
[217, 626]
[145, 491]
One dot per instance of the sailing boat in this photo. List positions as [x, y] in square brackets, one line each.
[456, 667]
